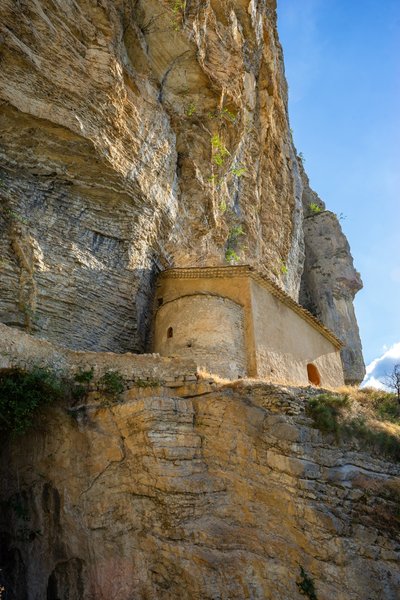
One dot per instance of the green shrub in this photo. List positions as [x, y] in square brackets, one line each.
[236, 232]
[112, 383]
[380, 441]
[239, 171]
[325, 409]
[315, 208]
[387, 408]
[23, 393]
[231, 256]
[219, 150]
[233, 244]
[84, 376]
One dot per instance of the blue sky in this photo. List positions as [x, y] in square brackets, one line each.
[342, 60]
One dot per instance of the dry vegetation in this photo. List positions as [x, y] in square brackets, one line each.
[366, 417]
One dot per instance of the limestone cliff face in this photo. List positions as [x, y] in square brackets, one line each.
[135, 136]
[330, 281]
[195, 495]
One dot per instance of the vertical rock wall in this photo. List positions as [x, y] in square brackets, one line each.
[330, 281]
[224, 495]
[135, 136]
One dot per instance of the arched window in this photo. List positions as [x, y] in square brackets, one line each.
[170, 332]
[313, 374]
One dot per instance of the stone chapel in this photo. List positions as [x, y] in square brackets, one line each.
[235, 322]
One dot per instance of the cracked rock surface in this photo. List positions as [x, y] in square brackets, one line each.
[137, 136]
[220, 495]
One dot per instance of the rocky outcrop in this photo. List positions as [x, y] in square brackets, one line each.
[224, 494]
[330, 281]
[135, 136]
[130, 142]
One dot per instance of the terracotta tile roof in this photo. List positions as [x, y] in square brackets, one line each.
[263, 280]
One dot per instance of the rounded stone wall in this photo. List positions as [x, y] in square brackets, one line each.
[208, 329]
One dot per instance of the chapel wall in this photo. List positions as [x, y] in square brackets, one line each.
[285, 343]
[236, 289]
[205, 328]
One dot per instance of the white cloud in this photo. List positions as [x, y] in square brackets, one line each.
[379, 368]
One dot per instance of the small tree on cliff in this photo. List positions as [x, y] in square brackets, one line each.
[393, 381]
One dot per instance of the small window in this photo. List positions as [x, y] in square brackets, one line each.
[170, 332]
[313, 374]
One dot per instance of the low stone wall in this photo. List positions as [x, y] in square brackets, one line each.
[18, 349]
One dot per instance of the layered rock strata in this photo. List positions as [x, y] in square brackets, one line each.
[130, 141]
[136, 136]
[178, 493]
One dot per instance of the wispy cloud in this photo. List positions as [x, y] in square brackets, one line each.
[379, 368]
